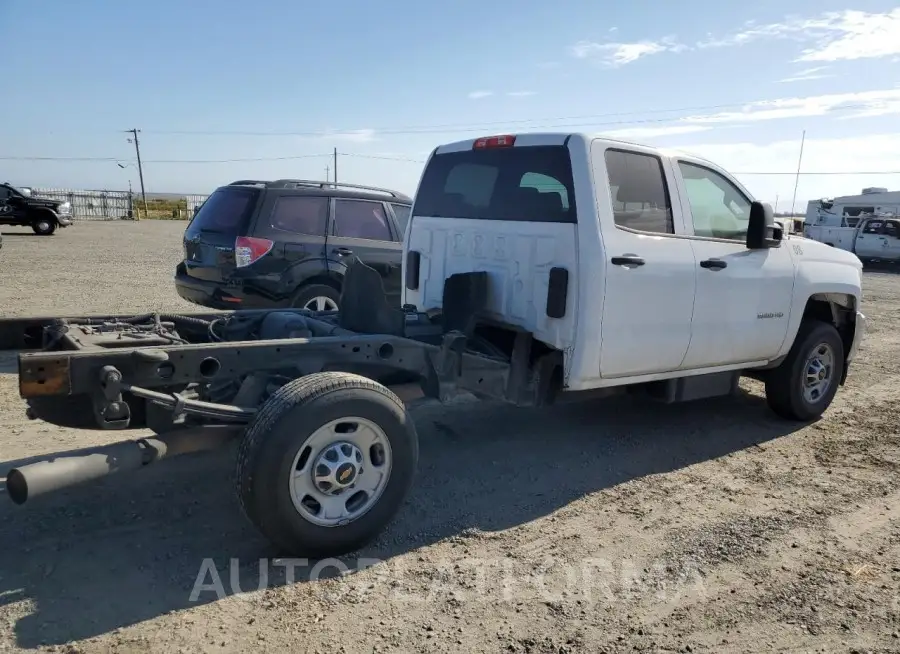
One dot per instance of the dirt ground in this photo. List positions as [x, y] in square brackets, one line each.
[601, 527]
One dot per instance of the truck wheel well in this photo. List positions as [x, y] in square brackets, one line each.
[43, 213]
[836, 309]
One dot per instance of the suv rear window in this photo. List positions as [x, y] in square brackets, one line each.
[528, 184]
[226, 211]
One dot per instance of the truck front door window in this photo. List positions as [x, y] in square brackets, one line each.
[718, 208]
[639, 195]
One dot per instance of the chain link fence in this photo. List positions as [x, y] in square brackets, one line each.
[122, 205]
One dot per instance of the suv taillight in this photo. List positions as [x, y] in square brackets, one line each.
[248, 250]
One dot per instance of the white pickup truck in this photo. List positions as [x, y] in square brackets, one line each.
[641, 267]
[878, 239]
[537, 268]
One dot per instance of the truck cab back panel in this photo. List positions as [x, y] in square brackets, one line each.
[507, 209]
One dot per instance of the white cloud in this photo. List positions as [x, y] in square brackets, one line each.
[520, 94]
[856, 35]
[654, 132]
[477, 95]
[355, 136]
[868, 154]
[834, 36]
[808, 74]
[867, 103]
[619, 54]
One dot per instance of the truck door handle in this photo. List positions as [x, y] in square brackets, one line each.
[344, 252]
[627, 261]
[714, 264]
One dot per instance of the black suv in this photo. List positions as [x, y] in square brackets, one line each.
[287, 243]
[43, 215]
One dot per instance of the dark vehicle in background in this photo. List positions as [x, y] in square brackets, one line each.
[287, 243]
[43, 215]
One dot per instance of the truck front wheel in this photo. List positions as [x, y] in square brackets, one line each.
[326, 464]
[44, 225]
[805, 383]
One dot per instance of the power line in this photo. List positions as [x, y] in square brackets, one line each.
[838, 172]
[167, 161]
[399, 159]
[477, 127]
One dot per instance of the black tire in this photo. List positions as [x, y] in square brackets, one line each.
[44, 225]
[278, 432]
[307, 294]
[784, 392]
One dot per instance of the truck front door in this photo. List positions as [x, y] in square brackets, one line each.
[744, 296]
[650, 272]
[892, 235]
[871, 242]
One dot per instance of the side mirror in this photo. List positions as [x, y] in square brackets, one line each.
[762, 231]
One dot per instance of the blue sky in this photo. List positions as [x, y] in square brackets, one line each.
[280, 82]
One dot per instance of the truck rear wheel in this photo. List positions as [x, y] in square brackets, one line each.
[326, 463]
[805, 383]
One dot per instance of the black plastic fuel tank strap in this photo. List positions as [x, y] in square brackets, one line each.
[413, 259]
[557, 290]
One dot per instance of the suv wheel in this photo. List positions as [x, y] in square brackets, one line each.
[317, 297]
[43, 226]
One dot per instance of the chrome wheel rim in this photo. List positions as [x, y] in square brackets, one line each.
[321, 303]
[43, 226]
[340, 471]
[818, 373]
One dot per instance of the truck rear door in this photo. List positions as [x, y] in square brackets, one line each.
[505, 206]
[650, 272]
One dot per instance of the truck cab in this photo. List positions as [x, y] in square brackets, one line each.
[639, 267]
[878, 239]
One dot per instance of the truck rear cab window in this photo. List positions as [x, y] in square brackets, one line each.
[638, 190]
[525, 184]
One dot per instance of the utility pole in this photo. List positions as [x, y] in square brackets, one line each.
[137, 150]
[797, 181]
[776, 203]
[327, 171]
[335, 165]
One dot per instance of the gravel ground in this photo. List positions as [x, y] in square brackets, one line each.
[602, 527]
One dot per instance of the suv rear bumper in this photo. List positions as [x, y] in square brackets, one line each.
[215, 295]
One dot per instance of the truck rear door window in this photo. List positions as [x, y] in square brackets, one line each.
[526, 184]
[640, 197]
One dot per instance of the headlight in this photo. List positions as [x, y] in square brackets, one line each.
[65, 207]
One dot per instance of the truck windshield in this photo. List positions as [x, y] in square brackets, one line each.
[529, 184]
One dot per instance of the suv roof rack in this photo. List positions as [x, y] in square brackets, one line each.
[245, 182]
[335, 185]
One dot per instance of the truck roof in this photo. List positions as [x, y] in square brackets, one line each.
[561, 138]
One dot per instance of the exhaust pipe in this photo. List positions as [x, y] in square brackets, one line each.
[44, 477]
